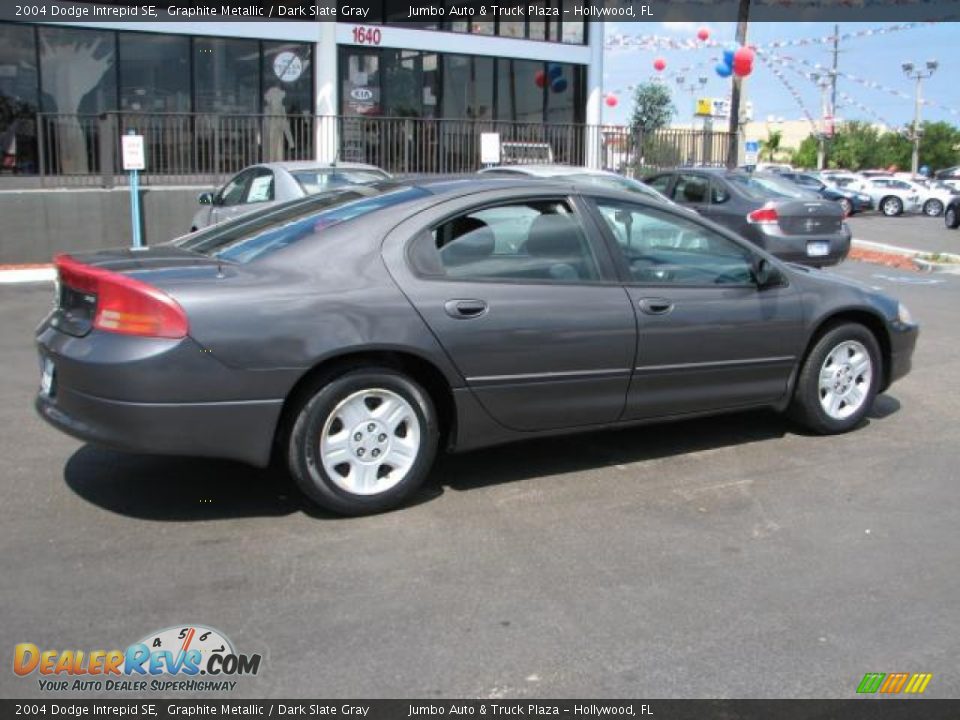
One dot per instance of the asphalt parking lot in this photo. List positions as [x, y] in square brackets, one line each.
[910, 231]
[732, 557]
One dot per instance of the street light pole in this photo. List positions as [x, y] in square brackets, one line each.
[918, 75]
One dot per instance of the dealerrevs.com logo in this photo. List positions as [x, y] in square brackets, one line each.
[182, 658]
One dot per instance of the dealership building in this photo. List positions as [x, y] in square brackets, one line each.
[212, 97]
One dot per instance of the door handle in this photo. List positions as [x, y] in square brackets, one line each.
[465, 309]
[655, 306]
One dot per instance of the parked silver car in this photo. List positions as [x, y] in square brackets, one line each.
[261, 186]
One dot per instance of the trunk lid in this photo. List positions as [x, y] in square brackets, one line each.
[809, 217]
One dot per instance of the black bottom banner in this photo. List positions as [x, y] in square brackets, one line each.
[857, 709]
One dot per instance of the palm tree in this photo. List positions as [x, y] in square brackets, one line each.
[772, 144]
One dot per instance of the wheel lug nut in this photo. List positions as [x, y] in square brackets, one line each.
[358, 437]
[375, 453]
[382, 437]
[360, 452]
[371, 427]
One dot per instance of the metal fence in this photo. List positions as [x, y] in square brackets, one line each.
[205, 149]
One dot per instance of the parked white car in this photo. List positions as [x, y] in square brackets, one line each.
[893, 197]
[261, 186]
[845, 180]
[935, 196]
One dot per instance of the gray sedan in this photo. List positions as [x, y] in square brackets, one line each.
[581, 175]
[261, 186]
[352, 335]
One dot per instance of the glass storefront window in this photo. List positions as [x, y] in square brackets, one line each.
[78, 70]
[512, 28]
[467, 87]
[360, 82]
[226, 74]
[519, 97]
[154, 72]
[18, 99]
[573, 32]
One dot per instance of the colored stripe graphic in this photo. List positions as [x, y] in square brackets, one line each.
[918, 682]
[871, 682]
[894, 683]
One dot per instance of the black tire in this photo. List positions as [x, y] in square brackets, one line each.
[303, 444]
[891, 206]
[805, 407]
[932, 208]
[951, 218]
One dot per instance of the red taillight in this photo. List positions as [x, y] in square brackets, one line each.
[763, 216]
[124, 305]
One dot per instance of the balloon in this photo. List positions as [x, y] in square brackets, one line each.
[742, 68]
[728, 57]
[540, 79]
[703, 34]
[659, 64]
[745, 54]
[559, 85]
[555, 71]
[612, 101]
[723, 70]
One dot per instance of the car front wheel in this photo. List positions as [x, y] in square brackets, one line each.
[839, 380]
[891, 206]
[933, 208]
[950, 218]
[846, 206]
[363, 442]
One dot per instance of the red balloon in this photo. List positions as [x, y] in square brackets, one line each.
[742, 68]
[540, 79]
[659, 64]
[612, 101]
[703, 34]
[745, 53]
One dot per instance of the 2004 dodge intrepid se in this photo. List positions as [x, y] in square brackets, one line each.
[352, 334]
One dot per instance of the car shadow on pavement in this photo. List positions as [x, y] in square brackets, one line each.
[153, 487]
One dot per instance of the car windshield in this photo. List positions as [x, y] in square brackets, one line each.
[319, 180]
[765, 187]
[254, 236]
[617, 182]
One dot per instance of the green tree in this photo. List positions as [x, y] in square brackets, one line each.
[805, 156]
[652, 108]
[939, 145]
[856, 145]
[894, 150]
[771, 146]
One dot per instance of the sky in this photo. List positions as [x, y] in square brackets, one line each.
[875, 58]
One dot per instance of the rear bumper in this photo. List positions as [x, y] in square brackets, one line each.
[234, 430]
[795, 248]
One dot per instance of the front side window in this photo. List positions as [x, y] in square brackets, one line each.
[233, 192]
[690, 189]
[539, 240]
[660, 248]
[261, 187]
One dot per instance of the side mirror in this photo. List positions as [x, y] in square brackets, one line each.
[765, 274]
[205, 198]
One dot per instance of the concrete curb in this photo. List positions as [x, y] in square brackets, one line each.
[14, 275]
[921, 258]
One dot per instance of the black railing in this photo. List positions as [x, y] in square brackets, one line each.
[205, 149]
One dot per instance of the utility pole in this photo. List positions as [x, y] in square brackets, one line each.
[733, 149]
[833, 75]
[826, 116]
[919, 75]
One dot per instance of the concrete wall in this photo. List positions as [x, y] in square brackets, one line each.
[36, 224]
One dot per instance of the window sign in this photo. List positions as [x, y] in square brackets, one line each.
[287, 66]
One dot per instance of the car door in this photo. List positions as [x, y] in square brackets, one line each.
[525, 300]
[708, 338]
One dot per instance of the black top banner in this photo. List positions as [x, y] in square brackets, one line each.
[863, 709]
[428, 13]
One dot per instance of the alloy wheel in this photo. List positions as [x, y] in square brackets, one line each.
[933, 208]
[845, 378]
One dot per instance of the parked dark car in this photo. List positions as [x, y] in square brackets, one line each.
[772, 213]
[951, 214]
[353, 334]
[850, 201]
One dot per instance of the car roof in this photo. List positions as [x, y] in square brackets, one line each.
[546, 170]
[294, 165]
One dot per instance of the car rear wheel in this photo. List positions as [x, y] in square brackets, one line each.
[846, 206]
[839, 380]
[891, 206]
[363, 442]
[933, 208]
[950, 218]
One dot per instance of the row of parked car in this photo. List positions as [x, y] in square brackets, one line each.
[773, 211]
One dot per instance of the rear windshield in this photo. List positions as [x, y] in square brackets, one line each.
[766, 187]
[322, 179]
[254, 236]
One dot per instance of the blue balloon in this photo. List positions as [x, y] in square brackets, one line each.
[723, 70]
[728, 57]
[554, 71]
[559, 85]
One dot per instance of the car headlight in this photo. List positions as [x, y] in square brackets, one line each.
[903, 315]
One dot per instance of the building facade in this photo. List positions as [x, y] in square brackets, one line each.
[213, 96]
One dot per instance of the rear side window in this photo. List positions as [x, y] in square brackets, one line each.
[323, 179]
[690, 189]
[538, 240]
[251, 237]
